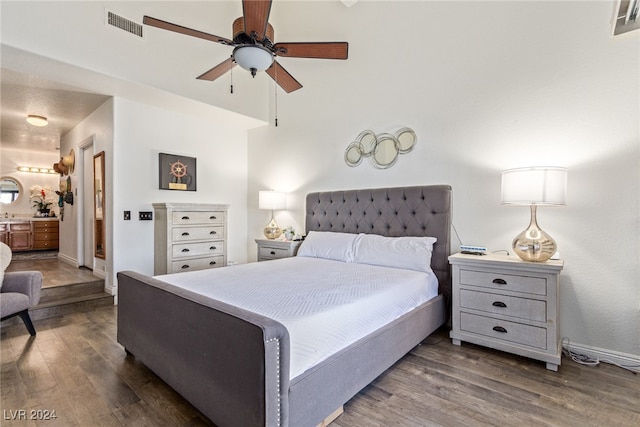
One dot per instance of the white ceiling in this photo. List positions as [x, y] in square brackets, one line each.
[75, 33]
[63, 106]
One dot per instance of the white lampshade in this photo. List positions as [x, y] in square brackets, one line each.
[272, 200]
[540, 185]
[253, 58]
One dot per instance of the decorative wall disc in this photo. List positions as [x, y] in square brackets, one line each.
[353, 154]
[382, 149]
[406, 140]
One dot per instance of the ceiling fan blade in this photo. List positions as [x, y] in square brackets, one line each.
[322, 50]
[158, 23]
[256, 17]
[218, 70]
[283, 78]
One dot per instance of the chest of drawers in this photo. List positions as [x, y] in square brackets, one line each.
[507, 304]
[189, 237]
[45, 234]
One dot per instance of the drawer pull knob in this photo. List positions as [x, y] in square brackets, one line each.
[213, 232]
[185, 266]
[212, 248]
[213, 217]
[185, 234]
[186, 218]
[185, 250]
[212, 263]
[272, 252]
[499, 304]
[500, 329]
[499, 281]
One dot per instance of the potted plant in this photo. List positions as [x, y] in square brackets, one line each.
[289, 233]
[42, 198]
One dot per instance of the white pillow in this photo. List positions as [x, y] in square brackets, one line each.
[329, 245]
[411, 253]
[5, 260]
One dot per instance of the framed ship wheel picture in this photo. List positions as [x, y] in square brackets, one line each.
[177, 172]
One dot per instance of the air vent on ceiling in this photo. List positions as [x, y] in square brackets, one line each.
[124, 24]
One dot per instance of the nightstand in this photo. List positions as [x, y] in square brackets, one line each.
[508, 304]
[275, 249]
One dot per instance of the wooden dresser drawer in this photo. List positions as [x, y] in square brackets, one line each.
[45, 225]
[196, 217]
[186, 234]
[188, 250]
[506, 282]
[45, 244]
[522, 308]
[197, 264]
[519, 333]
[273, 253]
[53, 236]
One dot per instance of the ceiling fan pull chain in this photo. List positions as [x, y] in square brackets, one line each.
[231, 77]
[276, 94]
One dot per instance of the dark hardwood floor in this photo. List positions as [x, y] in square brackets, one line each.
[75, 367]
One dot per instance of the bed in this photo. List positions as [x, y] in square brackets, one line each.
[238, 365]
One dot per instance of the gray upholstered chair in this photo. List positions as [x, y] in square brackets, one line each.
[19, 290]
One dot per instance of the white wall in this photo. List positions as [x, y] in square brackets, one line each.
[486, 86]
[143, 131]
[132, 134]
[99, 126]
[10, 159]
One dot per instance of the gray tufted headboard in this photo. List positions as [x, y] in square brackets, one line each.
[393, 212]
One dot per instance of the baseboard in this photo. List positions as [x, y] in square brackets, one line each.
[629, 361]
[67, 259]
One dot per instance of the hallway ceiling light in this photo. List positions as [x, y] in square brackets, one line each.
[37, 120]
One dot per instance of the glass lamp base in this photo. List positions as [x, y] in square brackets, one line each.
[272, 231]
[533, 244]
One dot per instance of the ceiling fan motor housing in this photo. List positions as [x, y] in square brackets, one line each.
[240, 37]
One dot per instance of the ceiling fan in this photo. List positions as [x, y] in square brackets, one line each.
[254, 47]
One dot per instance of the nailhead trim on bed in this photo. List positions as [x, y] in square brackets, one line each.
[277, 341]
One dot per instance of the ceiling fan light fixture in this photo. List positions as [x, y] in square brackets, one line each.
[39, 121]
[253, 58]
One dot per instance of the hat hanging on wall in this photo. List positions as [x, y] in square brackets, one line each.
[66, 164]
[69, 161]
[61, 168]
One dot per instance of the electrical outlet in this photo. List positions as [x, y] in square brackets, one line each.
[127, 215]
[145, 216]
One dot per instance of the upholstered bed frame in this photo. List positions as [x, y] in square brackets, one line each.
[233, 365]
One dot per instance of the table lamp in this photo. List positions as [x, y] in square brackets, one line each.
[272, 200]
[534, 186]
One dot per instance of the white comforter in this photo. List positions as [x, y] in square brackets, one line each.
[325, 305]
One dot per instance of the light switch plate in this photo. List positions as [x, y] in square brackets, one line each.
[145, 216]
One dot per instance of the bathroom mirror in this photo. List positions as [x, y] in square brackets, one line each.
[99, 236]
[10, 190]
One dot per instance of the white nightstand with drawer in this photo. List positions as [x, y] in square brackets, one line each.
[508, 304]
[274, 249]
